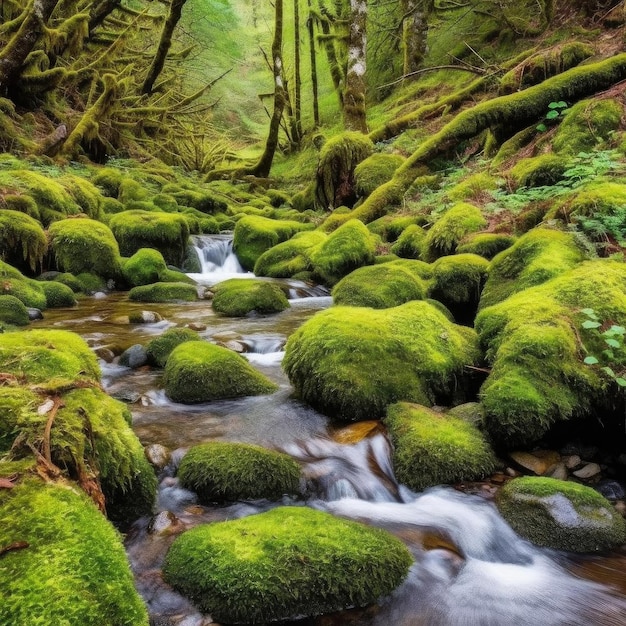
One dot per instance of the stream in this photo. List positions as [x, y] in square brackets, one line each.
[470, 568]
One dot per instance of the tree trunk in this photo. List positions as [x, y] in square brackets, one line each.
[100, 11]
[414, 33]
[316, 106]
[331, 54]
[176, 9]
[297, 131]
[354, 96]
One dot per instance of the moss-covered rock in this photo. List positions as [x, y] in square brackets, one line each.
[390, 227]
[289, 258]
[108, 179]
[159, 348]
[84, 245]
[239, 296]
[145, 267]
[14, 283]
[13, 311]
[200, 372]
[561, 515]
[449, 230]
[349, 247]
[164, 292]
[73, 570]
[486, 245]
[220, 471]
[537, 256]
[432, 448]
[586, 124]
[57, 294]
[91, 283]
[470, 412]
[473, 188]
[375, 171]
[543, 170]
[255, 235]
[65, 278]
[22, 239]
[167, 232]
[352, 362]
[384, 286]
[410, 242]
[251, 570]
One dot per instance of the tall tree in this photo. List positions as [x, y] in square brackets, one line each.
[356, 65]
[414, 34]
[313, 58]
[297, 130]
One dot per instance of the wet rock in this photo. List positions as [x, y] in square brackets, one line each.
[134, 357]
[158, 456]
[99, 295]
[588, 471]
[144, 317]
[356, 432]
[163, 523]
[207, 294]
[226, 335]
[104, 353]
[235, 346]
[126, 395]
[197, 326]
[572, 461]
[611, 490]
[539, 462]
[558, 471]
[34, 314]
[509, 471]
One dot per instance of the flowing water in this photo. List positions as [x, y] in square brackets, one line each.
[470, 568]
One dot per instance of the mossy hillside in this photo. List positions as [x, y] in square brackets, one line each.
[449, 230]
[586, 124]
[290, 257]
[220, 471]
[433, 448]
[166, 232]
[74, 570]
[159, 348]
[374, 171]
[410, 242]
[352, 362]
[251, 570]
[85, 245]
[201, 372]
[537, 256]
[57, 294]
[486, 245]
[22, 239]
[533, 342]
[561, 515]
[543, 170]
[384, 286]
[239, 296]
[349, 247]
[255, 235]
[146, 266]
[164, 292]
[49, 359]
[13, 311]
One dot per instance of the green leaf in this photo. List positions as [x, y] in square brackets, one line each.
[618, 330]
[613, 343]
[591, 324]
[621, 381]
[552, 115]
[609, 354]
[609, 371]
[542, 128]
[590, 360]
[589, 313]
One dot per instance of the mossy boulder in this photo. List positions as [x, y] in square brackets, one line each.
[586, 124]
[537, 256]
[164, 292]
[57, 294]
[74, 569]
[349, 247]
[27, 291]
[384, 286]
[374, 171]
[533, 344]
[13, 311]
[146, 266]
[85, 245]
[251, 570]
[289, 258]
[166, 232]
[108, 179]
[486, 245]
[159, 348]
[352, 362]
[449, 230]
[201, 372]
[22, 239]
[390, 227]
[433, 448]
[543, 170]
[410, 242]
[239, 296]
[220, 471]
[91, 283]
[561, 515]
[255, 235]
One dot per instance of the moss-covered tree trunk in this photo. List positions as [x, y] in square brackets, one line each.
[331, 53]
[354, 96]
[297, 88]
[313, 57]
[414, 34]
[165, 43]
[100, 11]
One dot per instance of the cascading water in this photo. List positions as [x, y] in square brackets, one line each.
[217, 260]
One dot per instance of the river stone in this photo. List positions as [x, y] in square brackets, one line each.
[158, 456]
[539, 462]
[197, 326]
[134, 357]
[104, 353]
[235, 346]
[561, 515]
[588, 471]
[611, 490]
[163, 524]
[572, 461]
[34, 314]
[144, 317]
[558, 471]
[289, 562]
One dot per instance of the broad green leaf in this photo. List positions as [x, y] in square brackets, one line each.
[542, 128]
[609, 371]
[591, 324]
[590, 360]
[618, 330]
[552, 115]
[589, 313]
[621, 381]
[613, 343]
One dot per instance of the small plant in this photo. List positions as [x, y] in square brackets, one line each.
[556, 110]
[613, 339]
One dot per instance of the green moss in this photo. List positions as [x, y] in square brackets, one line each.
[470, 412]
[23, 204]
[201, 371]
[383, 286]
[374, 171]
[486, 245]
[144, 267]
[432, 448]
[74, 570]
[352, 362]
[164, 292]
[159, 348]
[16, 404]
[174, 276]
[84, 245]
[390, 227]
[543, 170]
[304, 200]
[109, 180]
[290, 257]
[13, 311]
[410, 243]
[537, 256]
[167, 232]
[91, 283]
[278, 198]
[450, 229]
[85, 194]
[473, 188]
[130, 190]
[12, 283]
[255, 235]
[201, 199]
[111, 206]
[586, 124]
[57, 294]
[239, 296]
[561, 515]
[220, 471]
[22, 239]
[349, 247]
[251, 570]
[64, 278]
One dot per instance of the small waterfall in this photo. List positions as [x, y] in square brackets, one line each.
[218, 262]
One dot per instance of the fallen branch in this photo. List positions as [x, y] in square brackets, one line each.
[462, 68]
